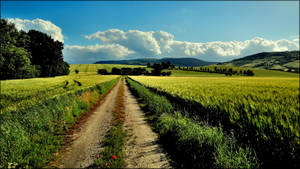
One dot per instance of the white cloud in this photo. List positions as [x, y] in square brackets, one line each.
[141, 42]
[93, 53]
[162, 44]
[40, 25]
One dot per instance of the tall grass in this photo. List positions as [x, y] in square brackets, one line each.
[193, 144]
[263, 112]
[30, 136]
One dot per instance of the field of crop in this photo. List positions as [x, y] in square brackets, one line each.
[94, 67]
[16, 94]
[35, 113]
[257, 72]
[263, 112]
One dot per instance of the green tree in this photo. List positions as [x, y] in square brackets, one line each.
[47, 53]
[14, 59]
[15, 63]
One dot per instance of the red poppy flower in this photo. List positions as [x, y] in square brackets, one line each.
[114, 157]
[97, 157]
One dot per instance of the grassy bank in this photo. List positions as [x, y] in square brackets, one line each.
[192, 144]
[29, 136]
[112, 155]
[262, 112]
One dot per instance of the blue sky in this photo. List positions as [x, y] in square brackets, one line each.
[195, 22]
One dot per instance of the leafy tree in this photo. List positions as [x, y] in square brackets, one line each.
[250, 73]
[15, 63]
[14, 59]
[115, 71]
[102, 71]
[25, 55]
[47, 53]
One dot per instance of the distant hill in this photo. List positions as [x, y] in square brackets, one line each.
[284, 61]
[174, 61]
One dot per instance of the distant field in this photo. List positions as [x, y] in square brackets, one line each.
[257, 72]
[273, 73]
[19, 93]
[92, 69]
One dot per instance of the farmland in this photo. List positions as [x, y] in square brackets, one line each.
[35, 113]
[92, 69]
[263, 112]
[209, 119]
[20, 93]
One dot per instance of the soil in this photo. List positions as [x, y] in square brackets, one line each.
[86, 143]
[142, 148]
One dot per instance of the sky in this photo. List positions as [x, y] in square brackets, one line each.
[211, 31]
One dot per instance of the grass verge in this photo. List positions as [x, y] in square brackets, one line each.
[113, 154]
[30, 136]
[192, 144]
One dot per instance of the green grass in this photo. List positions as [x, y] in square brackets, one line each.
[262, 111]
[192, 144]
[294, 64]
[113, 155]
[16, 94]
[273, 73]
[30, 135]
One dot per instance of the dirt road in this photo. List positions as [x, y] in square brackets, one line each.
[142, 149]
[86, 145]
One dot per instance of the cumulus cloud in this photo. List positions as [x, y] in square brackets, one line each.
[40, 25]
[163, 44]
[93, 53]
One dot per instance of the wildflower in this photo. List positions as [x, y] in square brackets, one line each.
[114, 157]
[97, 157]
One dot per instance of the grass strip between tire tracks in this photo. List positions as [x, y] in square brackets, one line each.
[113, 154]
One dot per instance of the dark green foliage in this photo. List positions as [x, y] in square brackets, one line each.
[30, 136]
[27, 55]
[192, 144]
[226, 70]
[158, 67]
[129, 71]
[102, 72]
[47, 53]
[14, 59]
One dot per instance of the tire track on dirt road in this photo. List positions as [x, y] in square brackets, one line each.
[86, 142]
[142, 149]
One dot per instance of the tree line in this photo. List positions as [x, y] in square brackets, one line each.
[157, 70]
[222, 70]
[29, 54]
